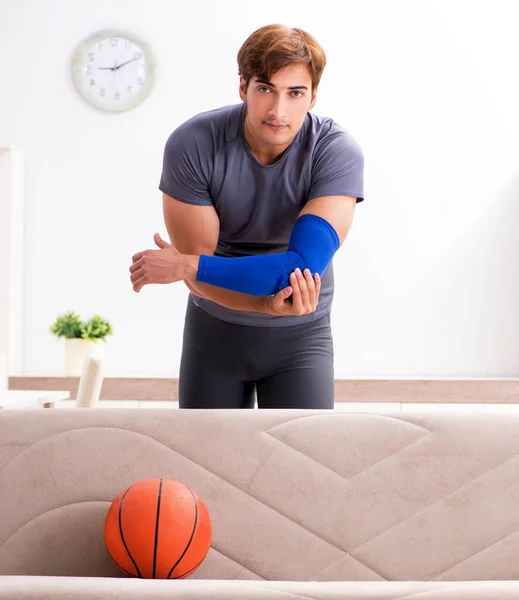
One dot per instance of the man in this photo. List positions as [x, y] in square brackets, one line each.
[257, 198]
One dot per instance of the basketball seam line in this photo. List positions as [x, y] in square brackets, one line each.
[193, 569]
[156, 542]
[122, 535]
[118, 565]
[192, 534]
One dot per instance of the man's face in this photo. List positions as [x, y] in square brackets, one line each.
[276, 109]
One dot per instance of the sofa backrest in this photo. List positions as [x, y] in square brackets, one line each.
[293, 495]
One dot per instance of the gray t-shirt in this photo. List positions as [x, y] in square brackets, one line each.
[207, 162]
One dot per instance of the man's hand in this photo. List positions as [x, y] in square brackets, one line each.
[166, 265]
[300, 298]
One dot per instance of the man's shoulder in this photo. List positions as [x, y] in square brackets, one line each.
[320, 132]
[217, 125]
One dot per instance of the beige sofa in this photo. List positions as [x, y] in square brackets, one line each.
[304, 504]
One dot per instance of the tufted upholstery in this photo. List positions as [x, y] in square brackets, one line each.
[430, 500]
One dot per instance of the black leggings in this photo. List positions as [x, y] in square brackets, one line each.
[226, 365]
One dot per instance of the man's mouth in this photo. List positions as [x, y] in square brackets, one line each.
[275, 127]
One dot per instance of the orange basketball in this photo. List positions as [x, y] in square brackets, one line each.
[158, 529]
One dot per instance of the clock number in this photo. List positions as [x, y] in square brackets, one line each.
[114, 42]
[100, 47]
[140, 81]
[137, 55]
[117, 96]
[127, 45]
[89, 70]
[129, 88]
[91, 56]
[102, 92]
[92, 82]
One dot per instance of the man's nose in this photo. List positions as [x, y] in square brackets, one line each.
[278, 108]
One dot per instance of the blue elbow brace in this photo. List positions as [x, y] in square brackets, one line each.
[312, 245]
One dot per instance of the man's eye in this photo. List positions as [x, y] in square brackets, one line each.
[263, 89]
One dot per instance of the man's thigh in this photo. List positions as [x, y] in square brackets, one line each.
[203, 387]
[301, 373]
[210, 373]
[302, 388]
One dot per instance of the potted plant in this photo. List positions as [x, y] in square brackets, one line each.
[81, 337]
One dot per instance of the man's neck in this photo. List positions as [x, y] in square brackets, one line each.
[263, 153]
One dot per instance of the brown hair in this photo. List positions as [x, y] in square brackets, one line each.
[272, 47]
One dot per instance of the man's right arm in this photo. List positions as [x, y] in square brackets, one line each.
[194, 229]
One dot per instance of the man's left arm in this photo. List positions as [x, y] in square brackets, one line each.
[336, 210]
[337, 181]
[318, 233]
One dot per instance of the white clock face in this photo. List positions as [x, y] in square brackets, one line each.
[113, 71]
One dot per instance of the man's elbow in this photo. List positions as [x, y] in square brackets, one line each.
[195, 289]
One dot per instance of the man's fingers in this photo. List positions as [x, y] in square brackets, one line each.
[312, 300]
[136, 275]
[309, 280]
[305, 294]
[139, 255]
[139, 284]
[280, 298]
[297, 300]
[136, 265]
[160, 242]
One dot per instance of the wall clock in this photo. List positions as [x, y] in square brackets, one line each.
[114, 70]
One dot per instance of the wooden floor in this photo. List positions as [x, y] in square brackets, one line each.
[356, 390]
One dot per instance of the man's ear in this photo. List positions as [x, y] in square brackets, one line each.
[243, 89]
[314, 98]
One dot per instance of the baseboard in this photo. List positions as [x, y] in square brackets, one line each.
[496, 391]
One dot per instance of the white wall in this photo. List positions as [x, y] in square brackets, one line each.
[428, 280]
[12, 241]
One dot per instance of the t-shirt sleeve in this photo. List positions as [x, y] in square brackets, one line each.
[338, 168]
[186, 166]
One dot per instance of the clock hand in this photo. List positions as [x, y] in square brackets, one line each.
[125, 63]
[116, 68]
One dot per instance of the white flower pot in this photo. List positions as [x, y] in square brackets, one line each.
[76, 351]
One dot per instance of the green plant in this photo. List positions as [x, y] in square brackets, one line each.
[70, 326]
[96, 328]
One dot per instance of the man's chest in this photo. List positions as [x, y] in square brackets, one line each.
[256, 204]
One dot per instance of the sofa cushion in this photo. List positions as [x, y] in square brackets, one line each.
[293, 495]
